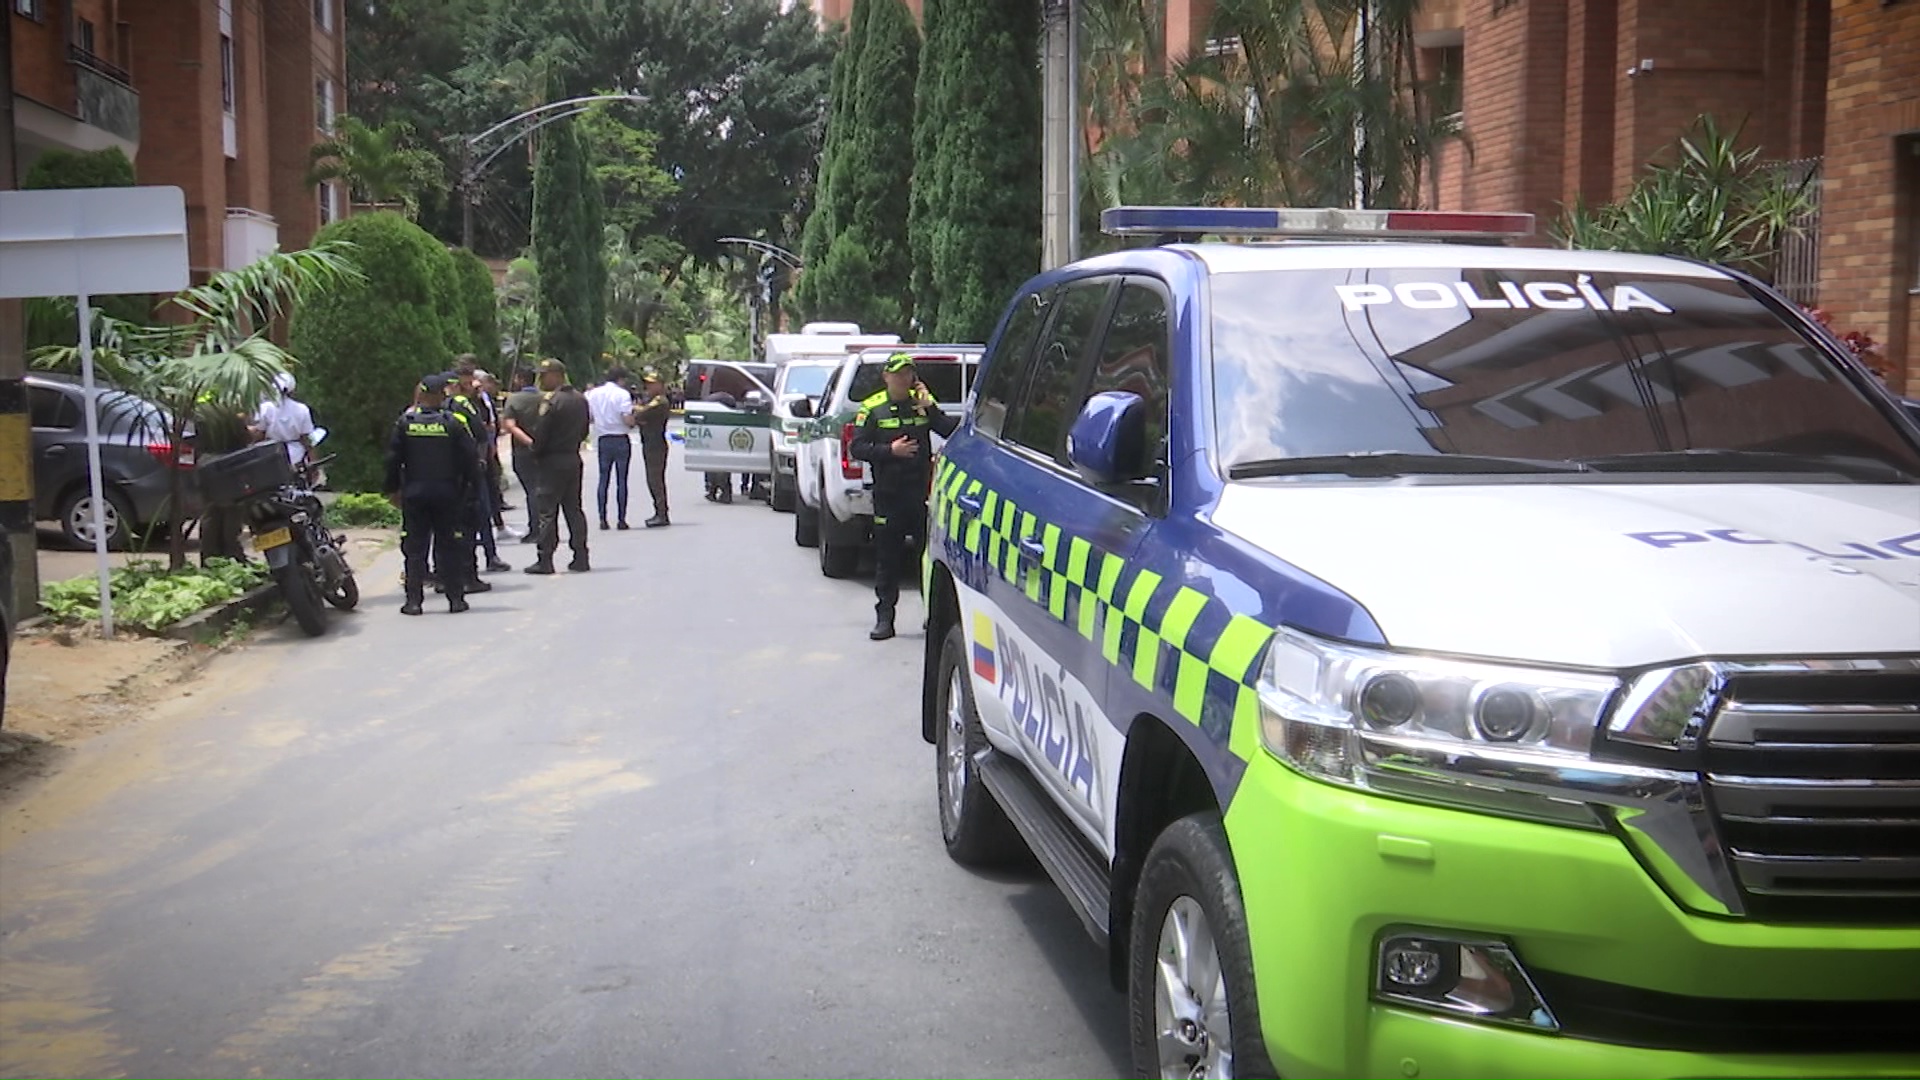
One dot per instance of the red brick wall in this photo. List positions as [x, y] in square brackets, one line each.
[292, 109]
[1867, 223]
[1709, 56]
[176, 66]
[1514, 106]
[40, 68]
[252, 21]
[1594, 75]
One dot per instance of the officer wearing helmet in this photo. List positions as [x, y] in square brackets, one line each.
[432, 465]
[894, 432]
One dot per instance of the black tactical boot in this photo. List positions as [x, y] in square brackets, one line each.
[882, 627]
[544, 566]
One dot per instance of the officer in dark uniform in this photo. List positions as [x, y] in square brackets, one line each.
[463, 395]
[896, 436]
[650, 415]
[431, 464]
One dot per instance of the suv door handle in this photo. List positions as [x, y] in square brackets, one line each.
[970, 503]
[1033, 546]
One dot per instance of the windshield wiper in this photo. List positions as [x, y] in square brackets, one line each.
[1397, 463]
[1749, 461]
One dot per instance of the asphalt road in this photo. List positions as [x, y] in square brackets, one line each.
[669, 818]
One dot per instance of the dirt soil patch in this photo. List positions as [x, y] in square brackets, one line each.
[64, 687]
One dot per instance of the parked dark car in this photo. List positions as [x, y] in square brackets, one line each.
[135, 458]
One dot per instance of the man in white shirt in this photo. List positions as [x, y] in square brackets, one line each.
[611, 406]
[286, 420]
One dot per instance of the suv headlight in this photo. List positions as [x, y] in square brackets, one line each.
[1496, 738]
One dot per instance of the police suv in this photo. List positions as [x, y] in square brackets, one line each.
[1445, 659]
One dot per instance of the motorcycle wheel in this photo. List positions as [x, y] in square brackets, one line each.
[302, 594]
[344, 595]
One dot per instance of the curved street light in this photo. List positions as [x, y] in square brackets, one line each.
[767, 251]
[470, 169]
[764, 248]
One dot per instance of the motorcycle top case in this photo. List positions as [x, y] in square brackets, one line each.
[235, 477]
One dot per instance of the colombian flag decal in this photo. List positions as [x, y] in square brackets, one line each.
[983, 665]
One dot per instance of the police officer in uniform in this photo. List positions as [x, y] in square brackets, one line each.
[650, 414]
[431, 465]
[895, 434]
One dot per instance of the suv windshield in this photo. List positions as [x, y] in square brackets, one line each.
[945, 378]
[1611, 372]
[808, 379]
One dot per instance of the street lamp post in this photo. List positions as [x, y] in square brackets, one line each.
[763, 279]
[534, 119]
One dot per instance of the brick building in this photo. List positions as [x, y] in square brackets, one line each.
[1568, 99]
[222, 98]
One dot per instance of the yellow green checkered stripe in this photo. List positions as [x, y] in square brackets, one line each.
[1172, 639]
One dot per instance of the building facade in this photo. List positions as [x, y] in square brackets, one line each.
[221, 98]
[1567, 100]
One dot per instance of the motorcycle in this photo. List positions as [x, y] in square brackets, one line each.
[308, 562]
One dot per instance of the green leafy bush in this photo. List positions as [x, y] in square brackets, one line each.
[364, 509]
[479, 307]
[80, 169]
[365, 346]
[147, 597]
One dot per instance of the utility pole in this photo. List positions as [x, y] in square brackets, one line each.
[1060, 139]
[19, 559]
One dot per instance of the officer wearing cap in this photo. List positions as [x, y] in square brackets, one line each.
[432, 462]
[650, 414]
[895, 433]
[557, 436]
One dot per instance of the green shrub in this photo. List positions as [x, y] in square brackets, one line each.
[480, 308]
[364, 509]
[147, 597]
[451, 305]
[80, 169]
[364, 347]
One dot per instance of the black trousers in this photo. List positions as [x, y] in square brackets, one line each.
[899, 527]
[529, 477]
[655, 455]
[431, 521]
[559, 480]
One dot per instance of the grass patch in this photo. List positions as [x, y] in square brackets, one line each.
[364, 509]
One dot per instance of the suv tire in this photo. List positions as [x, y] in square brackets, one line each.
[838, 559]
[786, 492]
[975, 828]
[1188, 921]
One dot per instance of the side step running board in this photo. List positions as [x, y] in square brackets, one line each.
[1054, 840]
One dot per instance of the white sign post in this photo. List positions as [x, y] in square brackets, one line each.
[84, 243]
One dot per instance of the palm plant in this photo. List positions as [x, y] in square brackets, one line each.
[377, 164]
[1714, 200]
[214, 367]
[1300, 103]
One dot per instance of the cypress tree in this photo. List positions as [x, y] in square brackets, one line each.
[829, 205]
[560, 217]
[926, 134]
[985, 201]
[874, 175]
[592, 256]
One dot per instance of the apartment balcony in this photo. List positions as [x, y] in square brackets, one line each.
[1439, 24]
[105, 95]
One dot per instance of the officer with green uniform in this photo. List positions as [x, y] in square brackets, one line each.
[650, 417]
[895, 433]
[432, 463]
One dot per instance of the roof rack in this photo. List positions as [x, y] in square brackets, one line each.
[1188, 224]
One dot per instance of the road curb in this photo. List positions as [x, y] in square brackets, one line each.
[215, 620]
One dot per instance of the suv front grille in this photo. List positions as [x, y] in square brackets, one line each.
[1813, 781]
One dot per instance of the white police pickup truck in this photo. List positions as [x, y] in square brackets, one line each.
[1428, 659]
[834, 511]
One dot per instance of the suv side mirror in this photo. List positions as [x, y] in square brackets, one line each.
[802, 408]
[1108, 440]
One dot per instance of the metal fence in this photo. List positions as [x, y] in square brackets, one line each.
[1796, 267]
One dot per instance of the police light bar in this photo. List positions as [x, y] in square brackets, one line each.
[1325, 222]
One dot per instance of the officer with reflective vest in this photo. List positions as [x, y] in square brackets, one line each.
[432, 464]
[894, 432]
